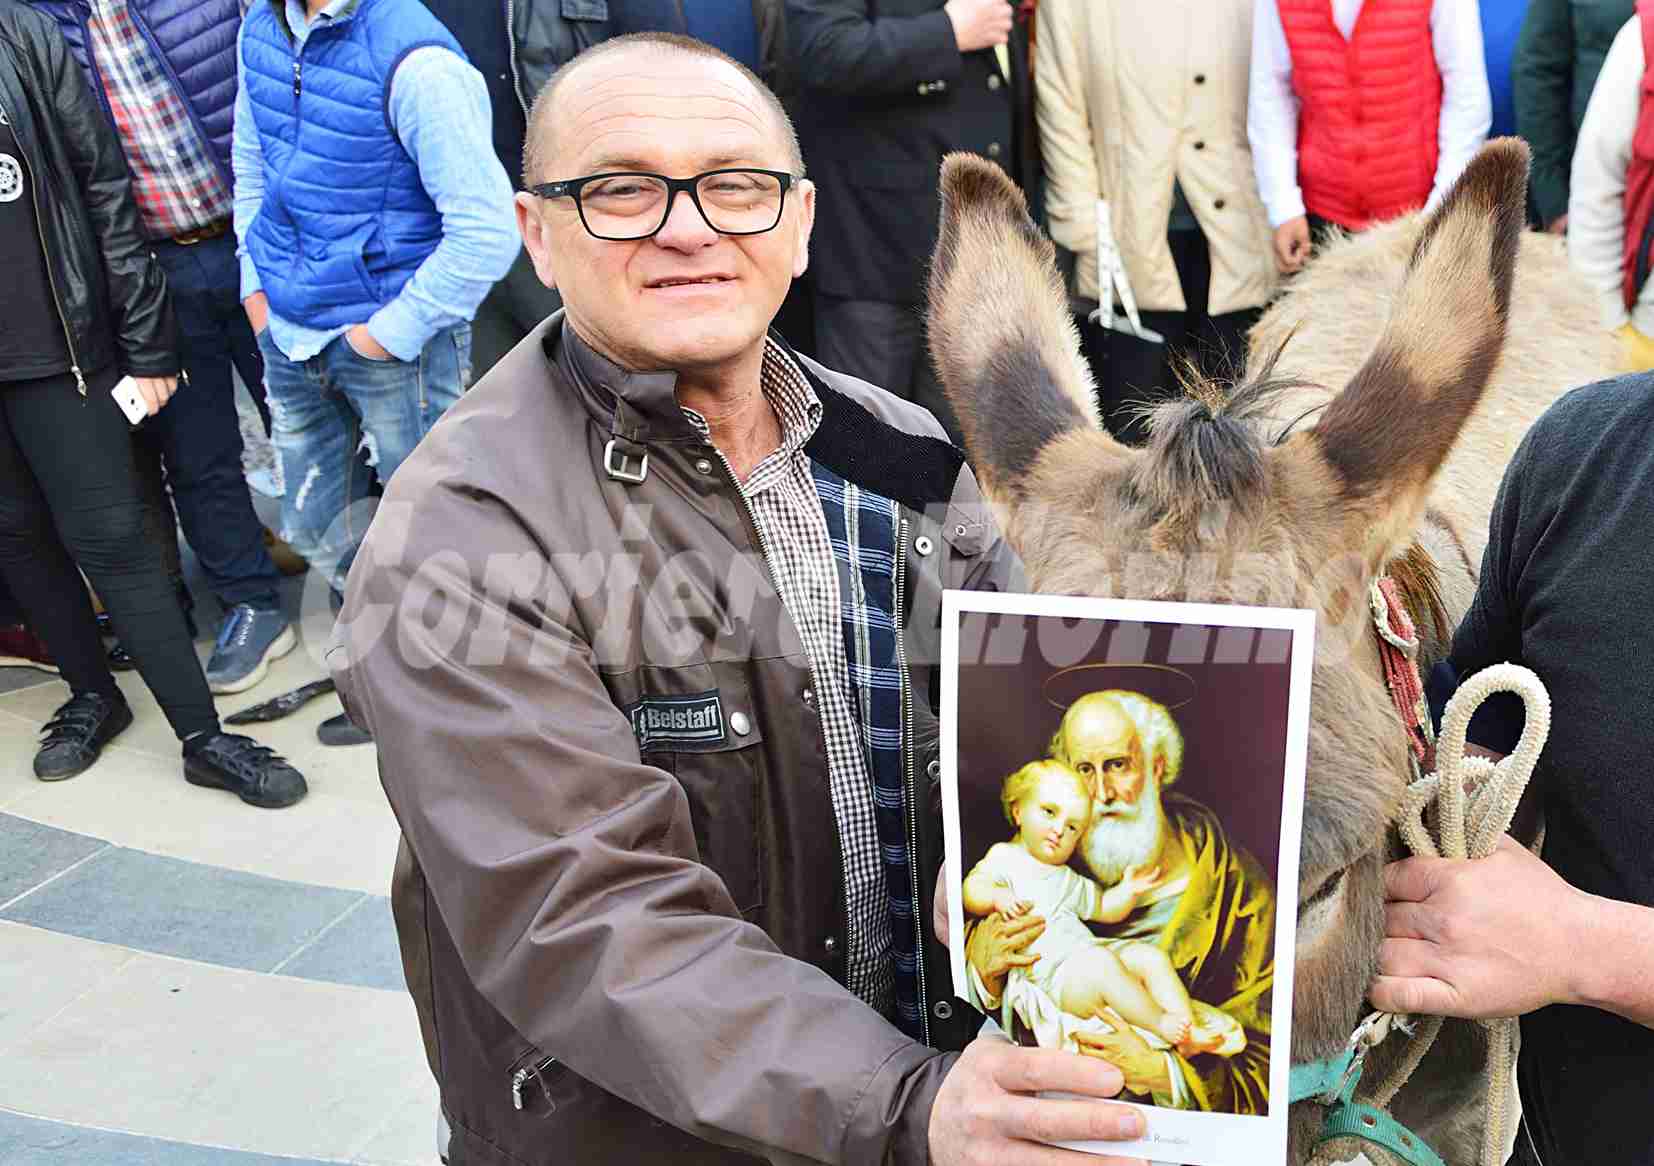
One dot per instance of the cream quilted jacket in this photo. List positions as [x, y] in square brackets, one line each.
[1131, 96]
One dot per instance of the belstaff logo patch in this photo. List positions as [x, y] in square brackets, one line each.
[696, 719]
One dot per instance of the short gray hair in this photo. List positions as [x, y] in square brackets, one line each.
[539, 140]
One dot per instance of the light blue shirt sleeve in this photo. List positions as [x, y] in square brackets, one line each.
[440, 111]
[247, 160]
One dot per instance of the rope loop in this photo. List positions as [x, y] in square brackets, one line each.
[1476, 798]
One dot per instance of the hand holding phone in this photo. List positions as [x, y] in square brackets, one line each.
[141, 397]
[130, 400]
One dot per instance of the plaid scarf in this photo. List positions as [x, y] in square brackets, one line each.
[862, 526]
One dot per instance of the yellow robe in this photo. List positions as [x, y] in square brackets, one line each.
[1221, 940]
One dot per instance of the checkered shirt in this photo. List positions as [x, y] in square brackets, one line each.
[177, 185]
[787, 510]
[864, 526]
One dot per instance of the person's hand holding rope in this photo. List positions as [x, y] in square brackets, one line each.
[1482, 938]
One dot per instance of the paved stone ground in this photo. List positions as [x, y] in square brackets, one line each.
[186, 980]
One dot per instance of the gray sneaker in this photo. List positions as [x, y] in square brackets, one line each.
[249, 639]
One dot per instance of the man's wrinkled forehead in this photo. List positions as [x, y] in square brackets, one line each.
[648, 109]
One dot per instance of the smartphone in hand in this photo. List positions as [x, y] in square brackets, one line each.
[130, 400]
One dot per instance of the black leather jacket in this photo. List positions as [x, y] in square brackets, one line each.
[110, 292]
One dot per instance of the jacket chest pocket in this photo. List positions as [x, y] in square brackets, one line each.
[698, 724]
[722, 785]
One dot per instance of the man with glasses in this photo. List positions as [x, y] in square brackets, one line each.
[370, 226]
[644, 634]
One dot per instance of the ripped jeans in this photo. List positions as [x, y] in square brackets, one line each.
[340, 418]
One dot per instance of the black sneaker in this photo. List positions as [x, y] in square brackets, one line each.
[77, 733]
[229, 761]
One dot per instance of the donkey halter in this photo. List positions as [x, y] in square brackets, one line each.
[1475, 800]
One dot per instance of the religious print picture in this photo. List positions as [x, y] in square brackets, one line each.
[1122, 791]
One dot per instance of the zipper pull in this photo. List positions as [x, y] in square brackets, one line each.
[80, 380]
[298, 77]
[517, 1080]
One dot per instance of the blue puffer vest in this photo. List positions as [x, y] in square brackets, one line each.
[195, 40]
[345, 221]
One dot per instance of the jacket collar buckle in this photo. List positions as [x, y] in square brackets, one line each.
[616, 463]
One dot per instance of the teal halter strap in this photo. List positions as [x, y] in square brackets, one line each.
[1325, 1078]
[1333, 1082]
[1351, 1119]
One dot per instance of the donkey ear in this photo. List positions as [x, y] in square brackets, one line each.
[1000, 331]
[1380, 442]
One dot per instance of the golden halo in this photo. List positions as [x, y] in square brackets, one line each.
[1162, 693]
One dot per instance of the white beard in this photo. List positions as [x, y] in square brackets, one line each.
[1117, 842]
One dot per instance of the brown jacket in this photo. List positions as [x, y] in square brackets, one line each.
[625, 956]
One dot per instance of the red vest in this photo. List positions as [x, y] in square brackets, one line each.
[1369, 108]
[1639, 177]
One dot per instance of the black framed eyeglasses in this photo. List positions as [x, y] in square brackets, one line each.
[633, 204]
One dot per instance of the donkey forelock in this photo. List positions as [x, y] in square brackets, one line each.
[1210, 445]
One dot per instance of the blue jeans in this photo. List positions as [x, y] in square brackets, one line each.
[198, 434]
[338, 419]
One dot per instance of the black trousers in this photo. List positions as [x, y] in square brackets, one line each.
[1133, 375]
[883, 344]
[68, 495]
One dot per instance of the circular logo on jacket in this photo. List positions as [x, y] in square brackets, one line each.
[11, 179]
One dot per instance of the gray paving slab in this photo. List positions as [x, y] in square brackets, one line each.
[12, 679]
[31, 853]
[32, 1141]
[360, 950]
[185, 909]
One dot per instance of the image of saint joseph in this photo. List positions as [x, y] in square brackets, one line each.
[1212, 909]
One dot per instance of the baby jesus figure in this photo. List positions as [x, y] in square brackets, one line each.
[1050, 807]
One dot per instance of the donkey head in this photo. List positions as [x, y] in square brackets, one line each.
[1223, 506]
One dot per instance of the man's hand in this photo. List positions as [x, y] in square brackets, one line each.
[999, 944]
[986, 1115]
[257, 307]
[1491, 937]
[979, 24]
[156, 391]
[1558, 225]
[365, 345]
[1292, 244]
[1144, 1070]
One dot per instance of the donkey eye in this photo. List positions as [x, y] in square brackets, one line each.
[1329, 887]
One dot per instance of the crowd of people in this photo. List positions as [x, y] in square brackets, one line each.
[353, 258]
[357, 208]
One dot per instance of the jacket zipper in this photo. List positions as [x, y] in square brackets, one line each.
[764, 550]
[511, 47]
[298, 79]
[910, 784]
[521, 1077]
[51, 277]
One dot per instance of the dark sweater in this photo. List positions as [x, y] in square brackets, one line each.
[1566, 589]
